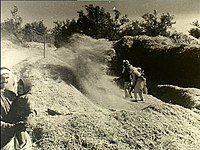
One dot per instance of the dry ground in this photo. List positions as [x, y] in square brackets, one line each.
[107, 121]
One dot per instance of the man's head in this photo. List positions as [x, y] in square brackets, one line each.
[8, 79]
[126, 63]
[5, 75]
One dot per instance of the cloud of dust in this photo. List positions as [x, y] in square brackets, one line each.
[88, 59]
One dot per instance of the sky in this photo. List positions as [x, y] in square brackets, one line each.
[185, 11]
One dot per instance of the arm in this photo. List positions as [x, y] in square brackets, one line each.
[6, 125]
[5, 108]
[10, 127]
[30, 105]
[30, 109]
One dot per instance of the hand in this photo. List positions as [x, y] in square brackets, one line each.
[20, 122]
[30, 120]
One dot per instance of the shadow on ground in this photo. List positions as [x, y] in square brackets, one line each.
[66, 74]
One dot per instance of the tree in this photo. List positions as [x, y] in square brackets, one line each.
[34, 31]
[118, 23]
[132, 29]
[195, 31]
[63, 30]
[13, 25]
[153, 25]
[95, 23]
[99, 24]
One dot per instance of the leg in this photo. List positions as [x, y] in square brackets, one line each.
[145, 90]
[135, 95]
[141, 96]
[126, 89]
[130, 91]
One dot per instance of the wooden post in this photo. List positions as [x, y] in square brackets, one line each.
[44, 44]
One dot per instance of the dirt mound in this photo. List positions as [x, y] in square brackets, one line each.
[69, 119]
[7, 45]
[186, 97]
[88, 59]
[81, 124]
[157, 55]
[40, 45]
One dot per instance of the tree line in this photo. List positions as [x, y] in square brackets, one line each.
[94, 21]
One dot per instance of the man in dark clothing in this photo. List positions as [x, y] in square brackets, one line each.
[127, 77]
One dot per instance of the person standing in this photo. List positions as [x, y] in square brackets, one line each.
[136, 72]
[127, 77]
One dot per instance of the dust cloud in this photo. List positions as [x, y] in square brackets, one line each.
[89, 59]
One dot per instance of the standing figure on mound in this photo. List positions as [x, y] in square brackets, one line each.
[136, 73]
[127, 77]
[140, 87]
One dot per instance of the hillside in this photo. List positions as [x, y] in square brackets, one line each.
[92, 113]
[165, 60]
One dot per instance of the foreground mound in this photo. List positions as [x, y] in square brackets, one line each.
[81, 124]
[67, 119]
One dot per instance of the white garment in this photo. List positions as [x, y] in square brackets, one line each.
[14, 143]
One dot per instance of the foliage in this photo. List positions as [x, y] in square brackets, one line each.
[181, 39]
[63, 30]
[34, 31]
[119, 23]
[13, 25]
[195, 31]
[132, 29]
[95, 22]
[154, 26]
[99, 24]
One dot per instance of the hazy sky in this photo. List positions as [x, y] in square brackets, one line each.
[185, 11]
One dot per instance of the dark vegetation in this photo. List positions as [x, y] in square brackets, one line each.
[166, 56]
[164, 61]
[195, 31]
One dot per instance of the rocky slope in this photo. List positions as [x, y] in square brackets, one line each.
[79, 106]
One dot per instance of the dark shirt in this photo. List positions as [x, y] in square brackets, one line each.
[126, 74]
[7, 129]
[22, 107]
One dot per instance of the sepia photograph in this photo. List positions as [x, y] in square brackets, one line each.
[100, 75]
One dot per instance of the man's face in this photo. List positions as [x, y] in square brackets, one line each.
[4, 80]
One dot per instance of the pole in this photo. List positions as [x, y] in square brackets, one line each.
[44, 43]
